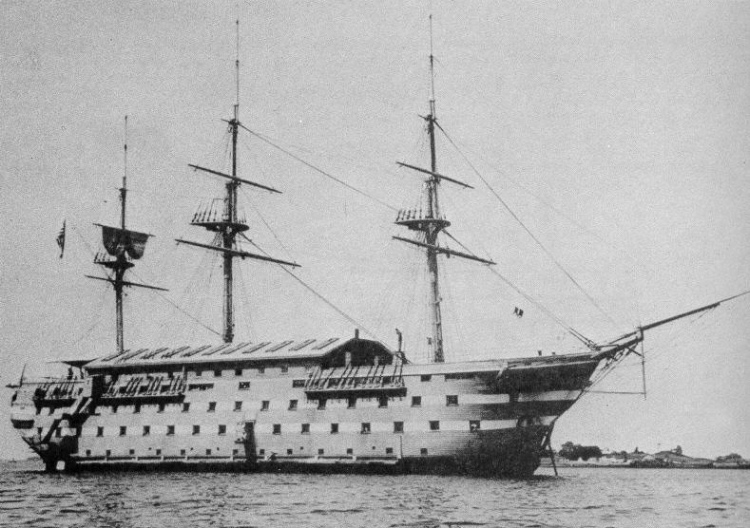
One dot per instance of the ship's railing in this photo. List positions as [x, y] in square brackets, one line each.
[146, 386]
[405, 215]
[356, 380]
[415, 220]
[56, 390]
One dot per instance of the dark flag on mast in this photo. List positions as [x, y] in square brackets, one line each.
[61, 239]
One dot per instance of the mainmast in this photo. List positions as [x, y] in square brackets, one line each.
[433, 212]
[227, 225]
[430, 222]
[124, 245]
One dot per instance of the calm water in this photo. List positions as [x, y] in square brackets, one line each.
[579, 497]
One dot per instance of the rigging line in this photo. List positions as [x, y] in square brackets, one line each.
[607, 370]
[85, 243]
[87, 332]
[314, 292]
[678, 334]
[174, 305]
[321, 171]
[97, 322]
[528, 231]
[245, 315]
[268, 226]
[470, 252]
[209, 261]
[561, 213]
[358, 161]
[452, 317]
[540, 199]
[653, 352]
[544, 310]
[539, 305]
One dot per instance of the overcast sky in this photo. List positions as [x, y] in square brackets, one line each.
[617, 132]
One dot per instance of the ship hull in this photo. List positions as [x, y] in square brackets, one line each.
[490, 418]
[500, 454]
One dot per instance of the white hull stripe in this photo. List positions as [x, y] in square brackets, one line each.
[421, 426]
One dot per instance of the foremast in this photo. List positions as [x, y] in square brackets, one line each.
[228, 226]
[430, 222]
[122, 246]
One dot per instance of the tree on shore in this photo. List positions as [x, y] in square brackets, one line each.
[573, 451]
[731, 457]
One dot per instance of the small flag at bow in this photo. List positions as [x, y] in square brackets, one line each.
[61, 239]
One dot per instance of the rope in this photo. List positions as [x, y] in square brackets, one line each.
[316, 169]
[314, 292]
[85, 243]
[651, 356]
[539, 305]
[175, 306]
[268, 226]
[97, 322]
[528, 231]
[544, 310]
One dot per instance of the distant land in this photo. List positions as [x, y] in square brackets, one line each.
[576, 455]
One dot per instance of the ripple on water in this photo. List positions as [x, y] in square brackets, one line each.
[611, 497]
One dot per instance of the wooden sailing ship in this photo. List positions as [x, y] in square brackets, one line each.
[320, 404]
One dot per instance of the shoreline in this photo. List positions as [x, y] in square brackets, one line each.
[564, 463]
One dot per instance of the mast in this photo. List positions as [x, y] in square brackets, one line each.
[431, 223]
[229, 226]
[124, 245]
[230, 209]
[121, 263]
[433, 211]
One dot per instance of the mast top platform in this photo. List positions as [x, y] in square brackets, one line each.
[113, 264]
[221, 226]
[416, 220]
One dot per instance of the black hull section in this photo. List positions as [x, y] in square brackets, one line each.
[514, 453]
[517, 469]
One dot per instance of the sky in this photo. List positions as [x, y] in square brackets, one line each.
[617, 133]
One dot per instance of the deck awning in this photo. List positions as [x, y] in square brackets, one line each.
[266, 352]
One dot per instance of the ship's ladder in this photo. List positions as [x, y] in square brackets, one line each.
[348, 371]
[154, 387]
[336, 381]
[382, 377]
[136, 384]
[314, 378]
[353, 378]
[370, 373]
[328, 378]
[51, 430]
[176, 385]
[173, 386]
[79, 408]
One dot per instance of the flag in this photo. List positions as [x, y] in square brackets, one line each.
[61, 239]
